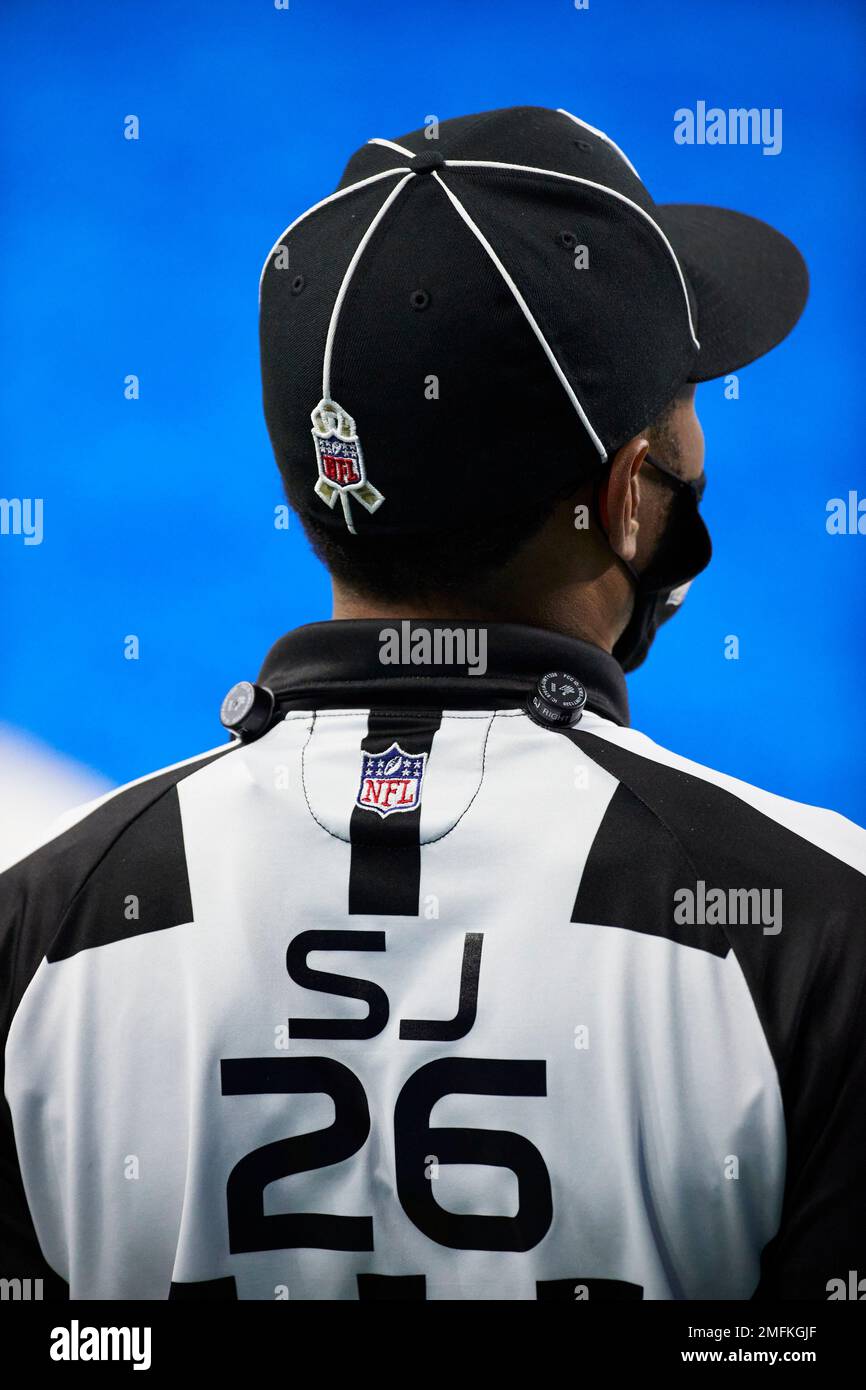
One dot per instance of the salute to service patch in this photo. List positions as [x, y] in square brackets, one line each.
[341, 462]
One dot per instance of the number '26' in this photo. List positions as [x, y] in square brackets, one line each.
[249, 1227]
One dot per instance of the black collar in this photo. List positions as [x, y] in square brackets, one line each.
[339, 664]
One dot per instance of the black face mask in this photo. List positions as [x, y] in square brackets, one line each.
[683, 551]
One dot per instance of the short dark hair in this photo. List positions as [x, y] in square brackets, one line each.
[663, 436]
[424, 566]
[427, 567]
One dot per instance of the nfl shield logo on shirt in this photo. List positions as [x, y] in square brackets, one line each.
[391, 781]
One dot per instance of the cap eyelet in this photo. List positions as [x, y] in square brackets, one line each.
[567, 239]
[419, 299]
[298, 284]
[583, 145]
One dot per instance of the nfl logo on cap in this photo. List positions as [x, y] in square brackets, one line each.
[341, 462]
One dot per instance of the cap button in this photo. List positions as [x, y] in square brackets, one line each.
[247, 709]
[427, 161]
[557, 701]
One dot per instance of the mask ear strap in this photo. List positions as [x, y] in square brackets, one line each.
[602, 516]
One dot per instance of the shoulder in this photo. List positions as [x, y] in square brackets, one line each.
[714, 814]
[687, 790]
[69, 891]
[779, 883]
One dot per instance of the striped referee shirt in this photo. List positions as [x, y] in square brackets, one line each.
[410, 997]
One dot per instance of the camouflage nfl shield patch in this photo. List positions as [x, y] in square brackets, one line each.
[341, 461]
[391, 781]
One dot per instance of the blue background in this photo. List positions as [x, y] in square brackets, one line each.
[143, 257]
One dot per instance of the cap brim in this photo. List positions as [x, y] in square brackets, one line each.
[750, 283]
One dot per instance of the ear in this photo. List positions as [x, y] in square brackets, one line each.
[619, 499]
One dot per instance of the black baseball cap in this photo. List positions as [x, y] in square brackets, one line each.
[485, 317]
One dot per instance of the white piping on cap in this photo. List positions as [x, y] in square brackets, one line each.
[323, 202]
[391, 145]
[347, 279]
[560, 111]
[602, 188]
[525, 310]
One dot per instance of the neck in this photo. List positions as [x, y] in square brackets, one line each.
[575, 589]
[576, 610]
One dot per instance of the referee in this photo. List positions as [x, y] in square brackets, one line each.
[438, 980]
